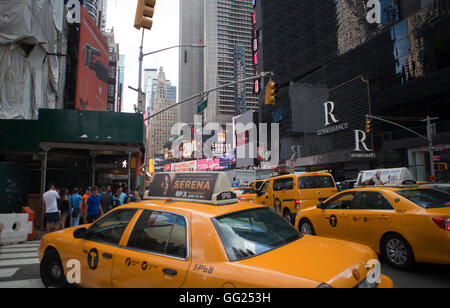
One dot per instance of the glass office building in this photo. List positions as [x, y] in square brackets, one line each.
[338, 60]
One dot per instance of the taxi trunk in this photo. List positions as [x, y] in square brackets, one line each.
[333, 262]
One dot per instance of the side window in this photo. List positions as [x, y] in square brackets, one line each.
[161, 233]
[283, 184]
[341, 202]
[110, 228]
[264, 189]
[371, 200]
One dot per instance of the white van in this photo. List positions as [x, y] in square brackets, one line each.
[381, 177]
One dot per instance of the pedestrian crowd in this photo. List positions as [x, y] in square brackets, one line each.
[63, 208]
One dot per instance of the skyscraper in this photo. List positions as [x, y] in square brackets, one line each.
[222, 25]
[161, 125]
[121, 80]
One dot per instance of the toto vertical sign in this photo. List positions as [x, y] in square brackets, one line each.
[93, 61]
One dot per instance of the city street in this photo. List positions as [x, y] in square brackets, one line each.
[190, 136]
[19, 268]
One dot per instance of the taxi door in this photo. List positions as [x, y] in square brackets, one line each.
[156, 254]
[99, 247]
[371, 215]
[332, 220]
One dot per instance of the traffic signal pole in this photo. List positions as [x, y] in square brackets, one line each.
[205, 93]
[428, 138]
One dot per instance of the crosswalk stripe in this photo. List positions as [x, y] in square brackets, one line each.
[22, 284]
[18, 255]
[9, 250]
[20, 246]
[16, 262]
[8, 272]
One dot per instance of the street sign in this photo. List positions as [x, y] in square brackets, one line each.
[202, 106]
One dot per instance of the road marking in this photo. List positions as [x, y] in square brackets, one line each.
[9, 250]
[22, 284]
[18, 255]
[20, 246]
[8, 272]
[16, 262]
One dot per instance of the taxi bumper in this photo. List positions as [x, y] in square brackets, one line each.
[386, 283]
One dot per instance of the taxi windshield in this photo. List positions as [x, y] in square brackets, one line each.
[427, 198]
[253, 232]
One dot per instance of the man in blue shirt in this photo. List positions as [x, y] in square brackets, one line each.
[76, 203]
[95, 210]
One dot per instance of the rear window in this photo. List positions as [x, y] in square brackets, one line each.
[314, 182]
[250, 233]
[427, 198]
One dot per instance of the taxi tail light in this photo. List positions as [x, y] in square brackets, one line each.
[297, 204]
[443, 223]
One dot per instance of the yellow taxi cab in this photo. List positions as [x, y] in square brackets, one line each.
[288, 194]
[200, 237]
[245, 194]
[405, 224]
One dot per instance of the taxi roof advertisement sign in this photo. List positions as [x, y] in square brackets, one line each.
[194, 186]
[92, 73]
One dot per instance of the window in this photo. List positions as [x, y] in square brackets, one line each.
[427, 198]
[265, 188]
[283, 184]
[315, 182]
[371, 200]
[110, 228]
[250, 233]
[341, 202]
[161, 233]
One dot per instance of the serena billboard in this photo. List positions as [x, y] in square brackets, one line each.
[93, 62]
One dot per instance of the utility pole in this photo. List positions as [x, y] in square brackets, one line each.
[428, 138]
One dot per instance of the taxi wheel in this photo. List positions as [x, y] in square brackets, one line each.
[306, 227]
[52, 273]
[397, 252]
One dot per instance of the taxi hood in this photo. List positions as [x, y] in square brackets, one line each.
[319, 259]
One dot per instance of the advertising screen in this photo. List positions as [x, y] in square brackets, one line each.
[92, 73]
[196, 186]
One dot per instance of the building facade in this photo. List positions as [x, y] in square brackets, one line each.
[337, 61]
[160, 127]
[112, 70]
[120, 82]
[222, 25]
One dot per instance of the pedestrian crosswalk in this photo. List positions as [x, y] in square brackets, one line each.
[19, 266]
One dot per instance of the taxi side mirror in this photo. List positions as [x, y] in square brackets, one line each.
[321, 206]
[80, 233]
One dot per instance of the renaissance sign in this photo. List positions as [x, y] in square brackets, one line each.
[333, 120]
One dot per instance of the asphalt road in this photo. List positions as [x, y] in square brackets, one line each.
[19, 268]
[421, 276]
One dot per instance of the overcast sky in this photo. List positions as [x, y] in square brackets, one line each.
[165, 33]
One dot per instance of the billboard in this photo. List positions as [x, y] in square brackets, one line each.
[93, 62]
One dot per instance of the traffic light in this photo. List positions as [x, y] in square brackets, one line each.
[368, 126]
[271, 93]
[144, 14]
